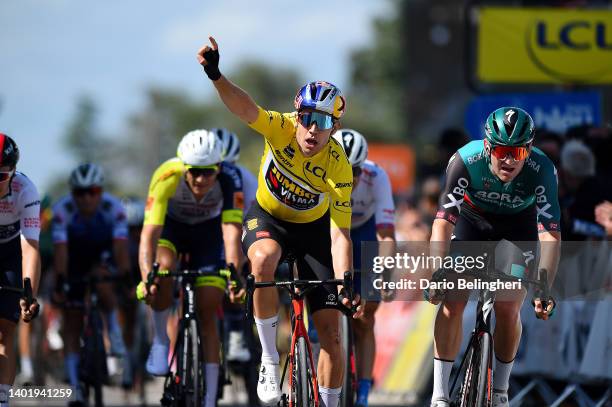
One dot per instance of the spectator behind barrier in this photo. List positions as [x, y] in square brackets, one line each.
[580, 192]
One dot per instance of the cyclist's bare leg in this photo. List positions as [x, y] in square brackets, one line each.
[331, 366]
[448, 329]
[506, 338]
[447, 340]
[208, 301]
[167, 261]
[508, 327]
[264, 256]
[365, 343]
[7, 351]
[25, 355]
[72, 327]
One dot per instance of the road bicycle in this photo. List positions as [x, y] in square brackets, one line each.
[303, 386]
[93, 370]
[185, 387]
[473, 381]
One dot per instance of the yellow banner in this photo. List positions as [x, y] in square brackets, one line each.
[544, 45]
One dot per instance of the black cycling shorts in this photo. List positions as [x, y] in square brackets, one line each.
[310, 244]
[10, 276]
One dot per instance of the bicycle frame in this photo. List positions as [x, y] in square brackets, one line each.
[297, 290]
[300, 331]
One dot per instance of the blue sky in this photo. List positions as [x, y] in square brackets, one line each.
[55, 50]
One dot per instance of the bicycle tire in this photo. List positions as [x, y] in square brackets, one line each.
[485, 372]
[191, 376]
[303, 386]
[460, 395]
[347, 396]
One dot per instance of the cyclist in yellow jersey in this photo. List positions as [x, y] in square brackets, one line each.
[194, 209]
[303, 206]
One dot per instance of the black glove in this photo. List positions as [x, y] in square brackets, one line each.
[212, 64]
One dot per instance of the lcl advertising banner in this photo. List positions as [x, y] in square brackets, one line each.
[544, 45]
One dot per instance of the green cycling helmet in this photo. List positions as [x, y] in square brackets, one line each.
[509, 126]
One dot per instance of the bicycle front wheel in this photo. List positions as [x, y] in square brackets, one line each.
[485, 372]
[191, 376]
[347, 397]
[303, 388]
[475, 375]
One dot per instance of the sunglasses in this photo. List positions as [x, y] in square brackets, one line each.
[92, 191]
[517, 153]
[203, 171]
[356, 172]
[6, 175]
[322, 120]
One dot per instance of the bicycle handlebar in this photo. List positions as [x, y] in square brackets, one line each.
[304, 285]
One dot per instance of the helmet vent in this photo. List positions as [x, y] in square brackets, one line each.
[325, 93]
[495, 127]
[523, 129]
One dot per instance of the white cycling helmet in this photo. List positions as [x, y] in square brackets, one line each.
[355, 146]
[230, 144]
[200, 148]
[87, 175]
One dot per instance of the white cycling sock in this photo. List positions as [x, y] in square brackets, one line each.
[112, 321]
[71, 360]
[501, 374]
[442, 371]
[329, 397]
[266, 328]
[4, 394]
[26, 366]
[212, 382]
[160, 323]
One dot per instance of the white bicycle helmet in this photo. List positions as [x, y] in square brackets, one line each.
[200, 148]
[230, 144]
[355, 145]
[87, 175]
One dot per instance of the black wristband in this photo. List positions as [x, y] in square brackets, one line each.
[212, 65]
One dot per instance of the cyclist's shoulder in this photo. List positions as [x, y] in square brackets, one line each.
[372, 169]
[110, 203]
[64, 206]
[168, 173]
[269, 122]
[21, 183]
[335, 157]
[472, 154]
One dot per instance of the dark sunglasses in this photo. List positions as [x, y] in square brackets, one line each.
[323, 121]
[205, 172]
[87, 191]
[356, 171]
[5, 175]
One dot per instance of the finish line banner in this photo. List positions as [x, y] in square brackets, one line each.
[544, 45]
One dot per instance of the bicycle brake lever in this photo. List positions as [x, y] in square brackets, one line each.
[250, 286]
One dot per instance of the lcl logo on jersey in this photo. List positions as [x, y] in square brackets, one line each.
[310, 168]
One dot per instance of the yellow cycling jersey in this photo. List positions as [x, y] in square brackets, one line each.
[301, 189]
[169, 195]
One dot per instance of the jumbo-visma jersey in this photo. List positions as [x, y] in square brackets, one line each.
[301, 189]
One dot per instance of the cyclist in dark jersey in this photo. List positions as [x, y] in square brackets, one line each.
[497, 188]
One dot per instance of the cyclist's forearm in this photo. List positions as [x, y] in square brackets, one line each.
[31, 262]
[386, 238]
[441, 233]
[342, 251]
[550, 253]
[237, 100]
[146, 251]
[231, 240]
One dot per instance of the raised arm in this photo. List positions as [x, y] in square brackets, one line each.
[237, 101]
